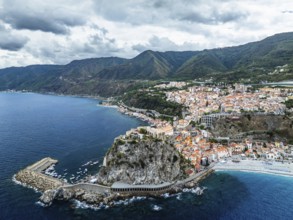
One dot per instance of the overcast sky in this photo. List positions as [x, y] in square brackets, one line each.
[59, 31]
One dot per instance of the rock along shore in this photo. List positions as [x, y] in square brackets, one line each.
[93, 194]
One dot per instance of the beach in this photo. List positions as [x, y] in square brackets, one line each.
[277, 168]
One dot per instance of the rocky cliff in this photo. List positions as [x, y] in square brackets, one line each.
[147, 161]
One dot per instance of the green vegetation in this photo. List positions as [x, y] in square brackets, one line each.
[120, 142]
[167, 118]
[192, 123]
[142, 131]
[289, 103]
[153, 101]
[120, 155]
[201, 127]
[133, 141]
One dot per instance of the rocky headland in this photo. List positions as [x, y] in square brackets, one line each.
[146, 161]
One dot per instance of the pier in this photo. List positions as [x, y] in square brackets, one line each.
[42, 164]
[33, 176]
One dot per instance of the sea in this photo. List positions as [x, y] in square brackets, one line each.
[78, 132]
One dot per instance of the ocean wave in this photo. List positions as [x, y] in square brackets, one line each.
[178, 197]
[39, 203]
[84, 205]
[156, 207]
[129, 201]
[125, 202]
[168, 195]
[197, 190]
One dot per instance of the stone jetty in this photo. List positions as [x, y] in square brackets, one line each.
[33, 176]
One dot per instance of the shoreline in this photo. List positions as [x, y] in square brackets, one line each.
[277, 168]
[254, 171]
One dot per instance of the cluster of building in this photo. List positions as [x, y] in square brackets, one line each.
[171, 85]
[202, 100]
[200, 149]
[197, 144]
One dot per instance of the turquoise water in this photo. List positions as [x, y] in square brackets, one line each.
[76, 130]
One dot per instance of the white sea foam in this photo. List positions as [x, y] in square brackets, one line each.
[168, 195]
[130, 200]
[39, 203]
[197, 190]
[179, 196]
[156, 208]
[23, 184]
[87, 163]
[83, 205]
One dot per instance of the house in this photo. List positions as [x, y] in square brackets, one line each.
[161, 132]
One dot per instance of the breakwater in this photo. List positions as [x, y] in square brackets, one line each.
[33, 177]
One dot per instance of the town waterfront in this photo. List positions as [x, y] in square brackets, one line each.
[77, 131]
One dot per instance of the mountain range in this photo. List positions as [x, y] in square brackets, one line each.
[109, 76]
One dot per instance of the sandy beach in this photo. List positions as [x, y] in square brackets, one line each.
[277, 168]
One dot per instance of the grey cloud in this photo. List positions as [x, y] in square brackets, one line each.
[95, 45]
[287, 12]
[166, 13]
[35, 23]
[140, 47]
[10, 41]
[13, 45]
[213, 16]
[161, 4]
[32, 17]
[164, 44]
[100, 42]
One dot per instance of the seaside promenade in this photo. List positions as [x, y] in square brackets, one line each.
[271, 167]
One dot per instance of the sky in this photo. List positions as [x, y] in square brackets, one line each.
[59, 31]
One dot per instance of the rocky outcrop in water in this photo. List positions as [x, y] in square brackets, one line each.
[48, 196]
[67, 194]
[147, 161]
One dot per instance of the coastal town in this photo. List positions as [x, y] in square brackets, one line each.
[188, 147]
[192, 134]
